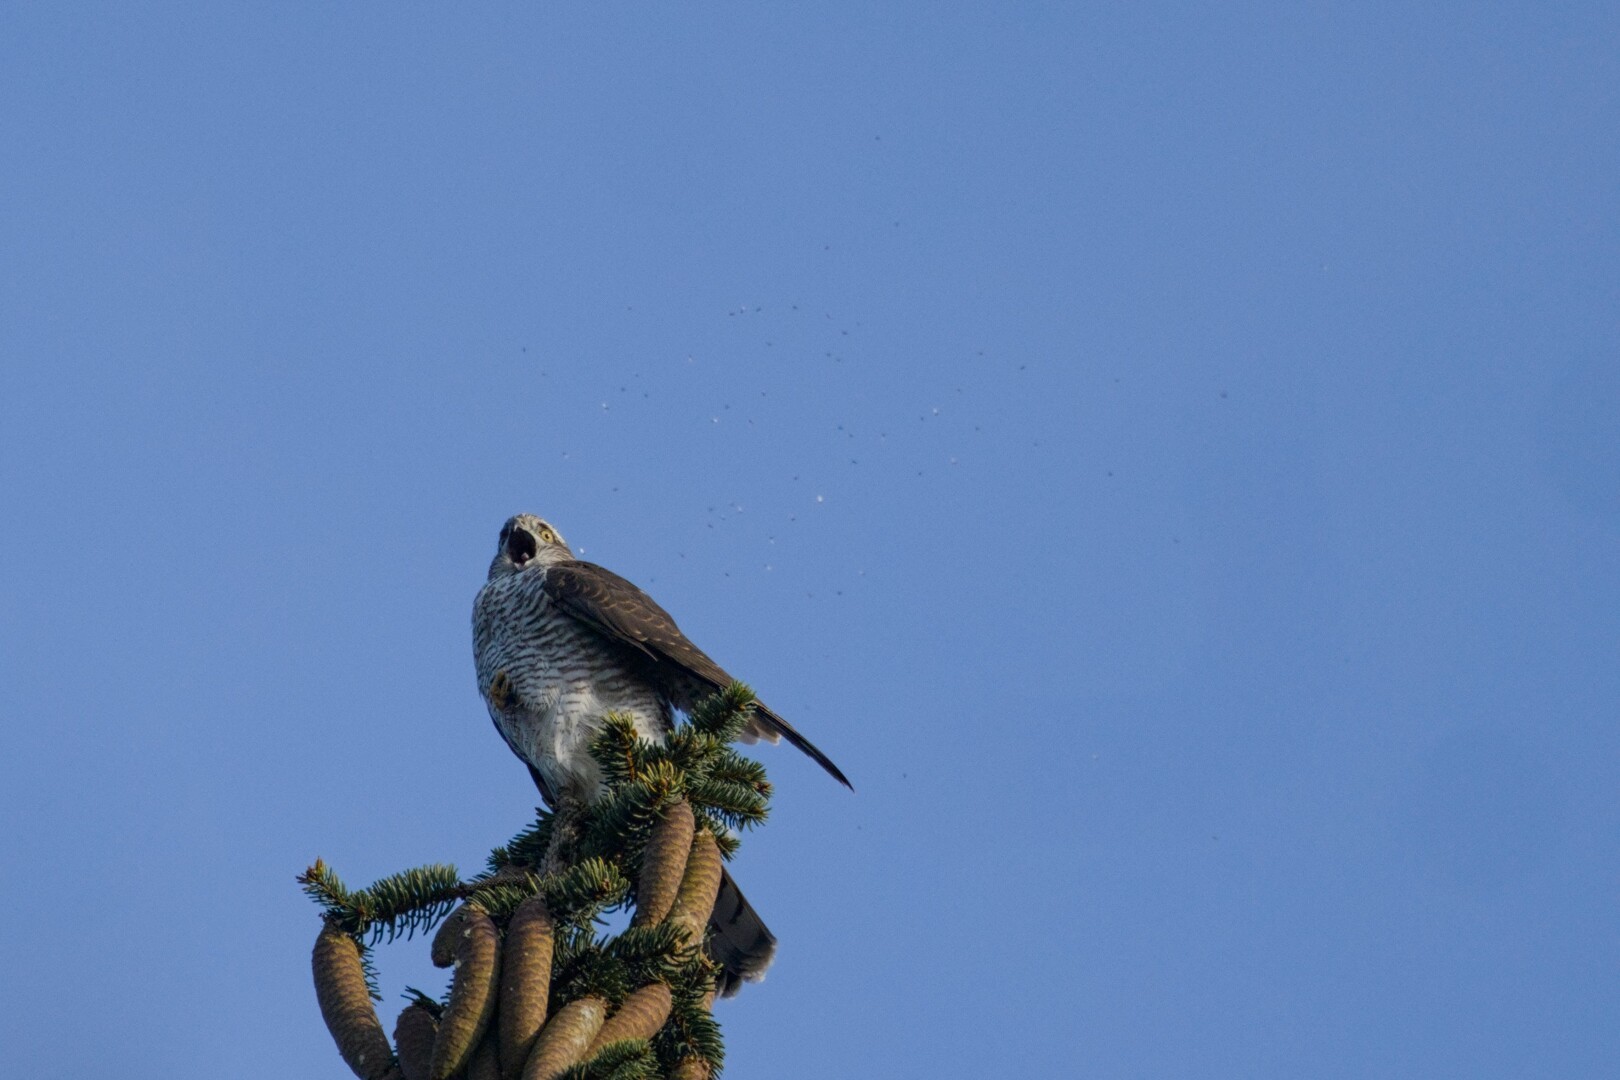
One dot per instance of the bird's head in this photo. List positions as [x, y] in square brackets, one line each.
[527, 541]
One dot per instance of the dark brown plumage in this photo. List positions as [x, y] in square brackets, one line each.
[627, 616]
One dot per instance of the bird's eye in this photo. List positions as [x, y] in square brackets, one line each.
[547, 536]
[520, 546]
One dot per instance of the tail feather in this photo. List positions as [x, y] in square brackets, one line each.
[767, 725]
[741, 943]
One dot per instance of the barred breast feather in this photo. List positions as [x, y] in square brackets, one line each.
[561, 677]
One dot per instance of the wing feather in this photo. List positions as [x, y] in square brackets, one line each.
[622, 613]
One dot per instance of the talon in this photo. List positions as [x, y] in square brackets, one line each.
[500, 690]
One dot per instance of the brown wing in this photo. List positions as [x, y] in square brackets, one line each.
[622, 613]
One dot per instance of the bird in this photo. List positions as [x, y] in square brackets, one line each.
[558, 643]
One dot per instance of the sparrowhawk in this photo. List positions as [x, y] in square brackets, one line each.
[573, 642]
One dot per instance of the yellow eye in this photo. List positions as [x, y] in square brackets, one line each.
[547, 536]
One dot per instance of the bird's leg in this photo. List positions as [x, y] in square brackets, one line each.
[565, 830]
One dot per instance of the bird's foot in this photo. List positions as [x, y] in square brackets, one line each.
[500, 691]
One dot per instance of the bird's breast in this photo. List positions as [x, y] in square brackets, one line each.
[560, 680]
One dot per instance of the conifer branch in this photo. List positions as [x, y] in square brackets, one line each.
[627, 1059]
[537, 992]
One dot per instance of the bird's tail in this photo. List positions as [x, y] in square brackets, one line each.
[741, 942]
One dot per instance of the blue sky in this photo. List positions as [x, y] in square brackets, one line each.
[1165, 453]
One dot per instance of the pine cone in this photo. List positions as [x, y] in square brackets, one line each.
[340, 987]
[414, 1035]
[563, 1041]
[476, 945]
[640, 1017]
[699, 887]
[525, 984]
[663, 864]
